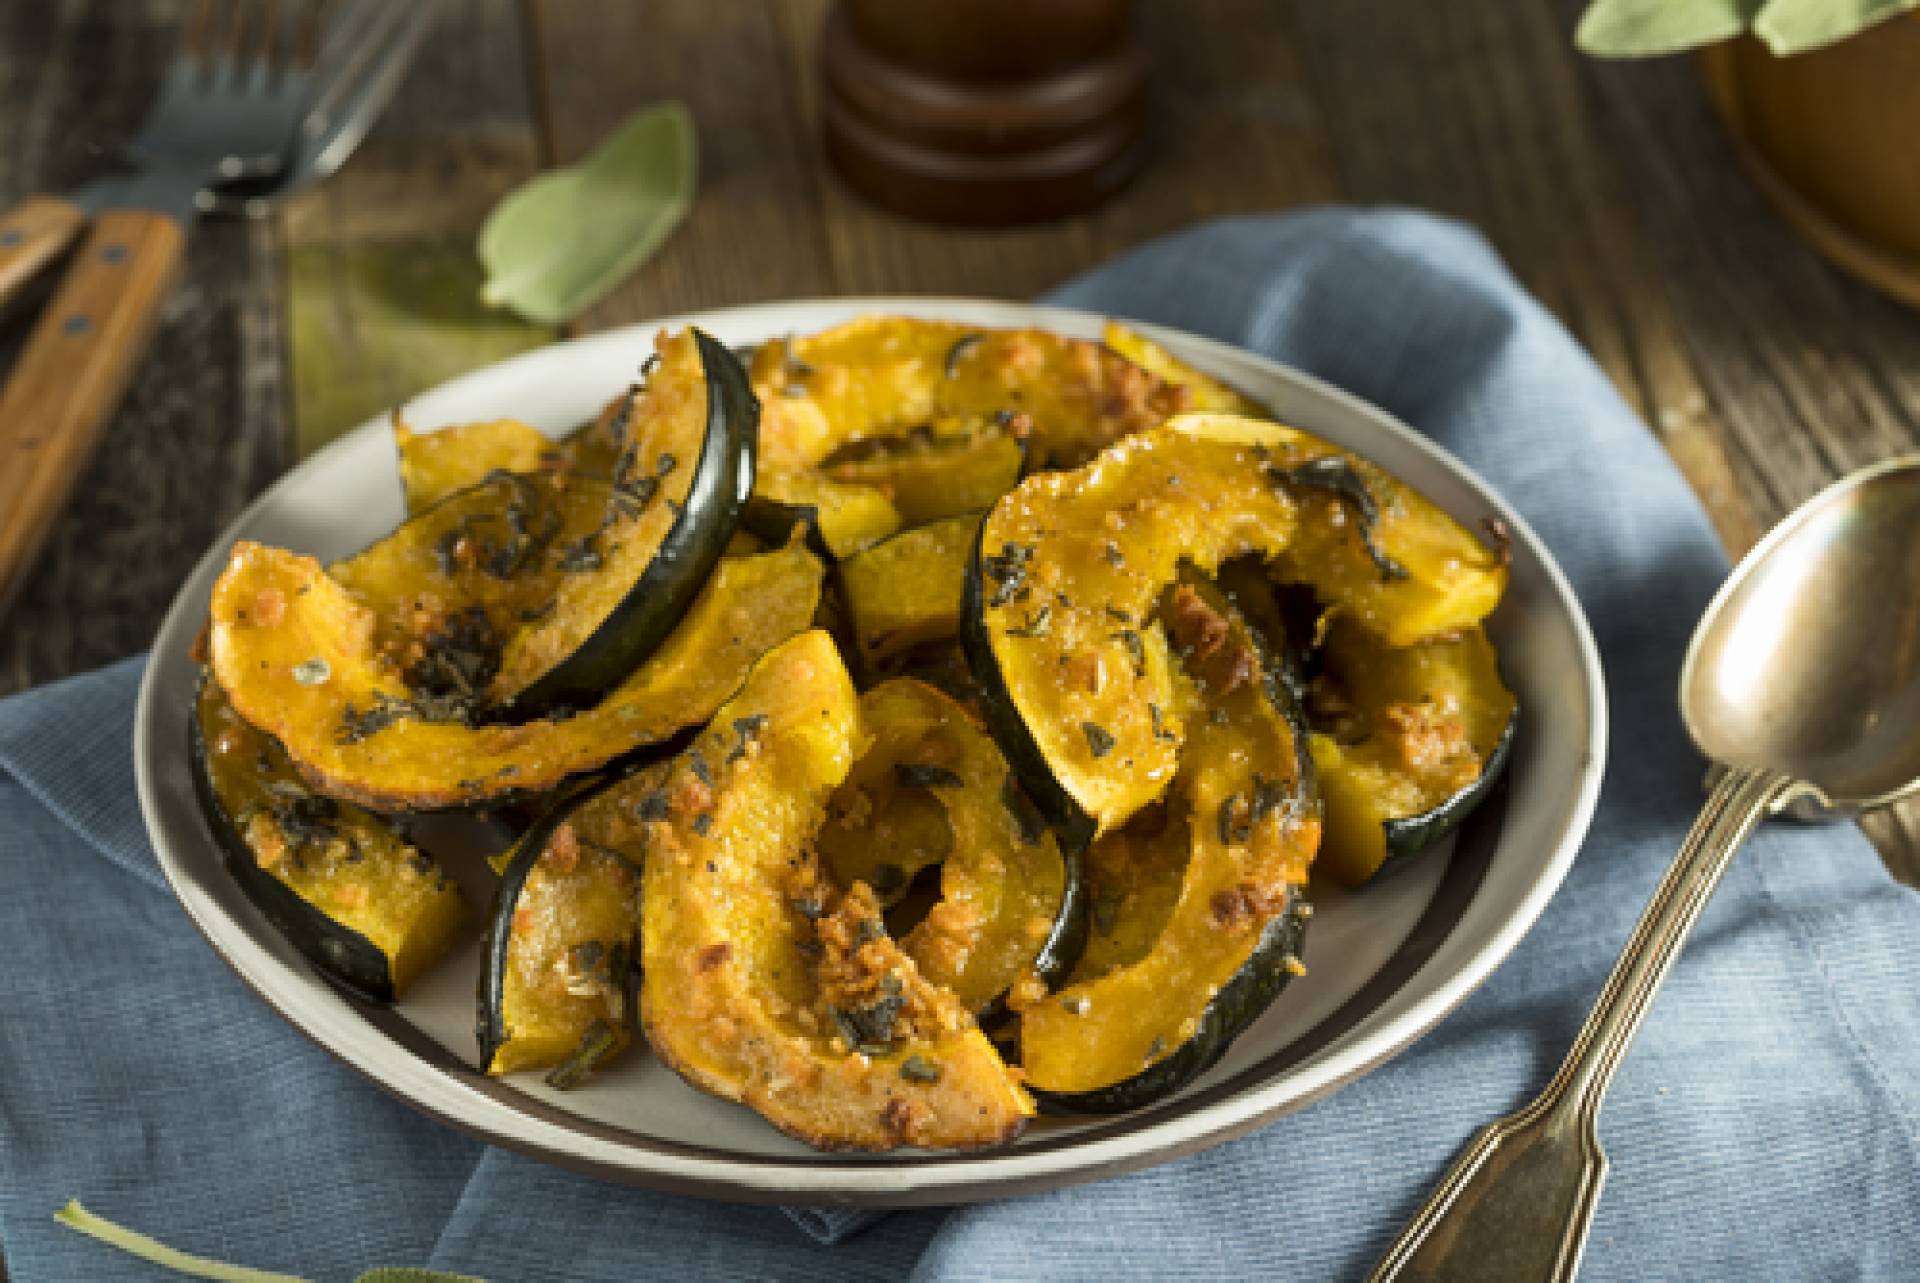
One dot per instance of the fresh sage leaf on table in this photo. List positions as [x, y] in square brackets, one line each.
[1647, 28]
[560, 242]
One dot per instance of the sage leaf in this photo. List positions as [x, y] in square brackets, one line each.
[1795, 26]
[1645, 28]
[557, 244]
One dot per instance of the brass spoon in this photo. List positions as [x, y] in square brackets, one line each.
[1802, 683]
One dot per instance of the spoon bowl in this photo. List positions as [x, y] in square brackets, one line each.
[1807, 662]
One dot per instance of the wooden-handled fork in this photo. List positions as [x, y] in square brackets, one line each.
[261, 96]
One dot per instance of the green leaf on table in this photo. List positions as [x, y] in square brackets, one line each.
[559, 242]
[1645, 28]
[76, 1217]
[1795, 26]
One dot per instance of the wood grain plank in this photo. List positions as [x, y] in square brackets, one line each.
[754, 232]
[1479, 110]
[202, 426]
[383, 286]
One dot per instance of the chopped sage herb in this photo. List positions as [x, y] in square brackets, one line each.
[868, 930]
[1338, 477]
[1115, 557]
[697, 763]
[1008, 570]
[1234, 827]
[1156, 1049]
[746, 730]
[926, 776]
[809, 908]
[1119, 616]
[666, 463]
[1270, 797]
[1161, 731]
[653, 806]
[599, 1041]
[312, 672]
[918, 1069]
[1099, 739]
[703, 823]
[1136, 648]
[584, 556]
[868, 1029]
[1038, 624]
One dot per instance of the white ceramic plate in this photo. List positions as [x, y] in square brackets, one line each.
[1385, 964]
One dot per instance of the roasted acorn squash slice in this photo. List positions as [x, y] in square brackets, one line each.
[845, 518]
[296, 654]
[905, 591]
[560, 950]
[366, 907]
[765, 985]
[1069, 567]
[1009, 900]
[435, 465]
[1168, 986]
[939, 474]
[1205, 394]
[1408, 741]
[599, 571]
[882, 376]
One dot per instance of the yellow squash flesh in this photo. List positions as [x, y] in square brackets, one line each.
[296, 653]
[750, 971]
[1075, 562]
[352, 867]
[905, 591]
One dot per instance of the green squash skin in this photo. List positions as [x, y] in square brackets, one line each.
[1074, 827]
[653, 607]
[338, 952]
[772, 522]
[490, 1029]
[1408, 837]
[1237, 1005]
[1275, 957]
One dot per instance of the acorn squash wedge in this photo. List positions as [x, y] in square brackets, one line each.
[939, 474]
[295, 652]
[434, 465]
[905, 591]
[1168, 986]
[597, 571]
[1009, 903]
[367, 908]
[1056, 622]
[846, 517]
[762, 982]
[556, 981]
[884, 376]
[1205, 394]
[1408, 741]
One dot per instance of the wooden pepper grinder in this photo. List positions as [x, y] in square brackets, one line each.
[983, 112]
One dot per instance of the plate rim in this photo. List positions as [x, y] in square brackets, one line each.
[934, 1179]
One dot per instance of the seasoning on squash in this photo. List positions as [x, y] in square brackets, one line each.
[1099, 739]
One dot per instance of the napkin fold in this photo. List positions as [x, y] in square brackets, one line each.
[1764, 1126]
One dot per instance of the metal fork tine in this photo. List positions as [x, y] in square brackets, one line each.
[355, 113]
[347, 24]
[345, 65]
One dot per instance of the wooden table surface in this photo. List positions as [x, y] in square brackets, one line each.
[1610, 188]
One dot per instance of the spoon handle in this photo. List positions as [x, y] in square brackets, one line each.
[1517, 1202]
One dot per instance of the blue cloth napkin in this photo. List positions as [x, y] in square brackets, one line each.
[1763, 1128]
